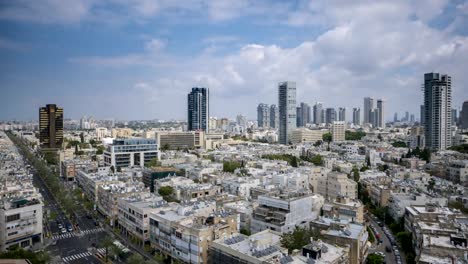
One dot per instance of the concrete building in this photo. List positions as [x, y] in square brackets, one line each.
[301, 135]
[357, 116]
[198, 109]
[381, 113]
[101, 132]
[185, 232]
[368, 106]
[464, 116]
[344, 208]
[318, 117]
[283, 212]
[342, 114]
[263, 116]
[287, 110]
[69, 168]
[335, 185]
[274, 116]
[437, 110]
[303, 115]
[130, 152]
[20, 217]
[180, 140]
[457, 171]
[346, 234]
[330, 115]
[133, 215]
[338, 129]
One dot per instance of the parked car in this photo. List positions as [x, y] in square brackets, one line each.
[63, 230]
[69, 228]
[388, 249]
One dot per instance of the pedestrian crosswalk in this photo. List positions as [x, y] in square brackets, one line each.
[74, 234]
[100, 253]
[76, 257]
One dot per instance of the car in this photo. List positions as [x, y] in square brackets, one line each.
[96, 223]
[381, 224]
[388, 249]
[63, 230]
[60, 226]
[69, 228]
[89, 216]
[54, 242]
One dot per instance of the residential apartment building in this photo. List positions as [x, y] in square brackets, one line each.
[284, 212]
[336, 184]
[287, 111]
[345, 209]
[130, 152]
[338, 131]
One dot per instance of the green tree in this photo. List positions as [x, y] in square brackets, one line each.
[374, 259]
[327, 137]
[165, 147]
[245, 231]
[82, 137]
[298, 238]
[399, 144]
[166, 190]
[107, 243]
[231, 166]
[153, 163]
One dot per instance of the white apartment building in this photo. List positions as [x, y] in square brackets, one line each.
[457, 171]
[20, 217]
[130, 152]
[301, 135]
[283, 212]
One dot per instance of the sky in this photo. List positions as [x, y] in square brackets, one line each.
[138, 59]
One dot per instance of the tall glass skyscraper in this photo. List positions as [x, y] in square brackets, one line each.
[263, 115]
[437, 110]
[287, 110]
[318, 117]
[198, 109]
[274, 116]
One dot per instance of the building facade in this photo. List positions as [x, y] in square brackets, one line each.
[357, 116]
[287, 110]
[274, 116]
[437, 110]
[263, 115]
[318, 117]
[130, 152]
[198, 109]
[51, 126]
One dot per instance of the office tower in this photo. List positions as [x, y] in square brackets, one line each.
[318, 116]
[330, 115]
[338, 131]
[454, 117]
[287, 110]
[464, 116]
[374, 117]
[406, 116]
[241, 120]
[51, 126]
[263, 115]
[411, 118]
[303, 115]
[368, 106]
[341, 114]
[437, 110]
[357, 116]
[198, 109]
[422, 117]
[381, 114]
[395, 117]
[274, 116]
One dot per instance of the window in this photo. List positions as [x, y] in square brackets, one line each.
[14, 217]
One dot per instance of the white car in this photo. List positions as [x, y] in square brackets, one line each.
[63, 230]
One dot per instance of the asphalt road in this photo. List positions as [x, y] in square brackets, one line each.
[390, 257]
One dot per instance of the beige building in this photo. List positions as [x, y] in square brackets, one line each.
[338, 131]
[180, 139]
[301, 135]
[346, 209]
[121, 132]
[335, 185]
[379, 195]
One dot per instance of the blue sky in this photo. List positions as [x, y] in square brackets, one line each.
[137, 59]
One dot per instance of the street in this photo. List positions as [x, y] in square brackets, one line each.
[390, 257]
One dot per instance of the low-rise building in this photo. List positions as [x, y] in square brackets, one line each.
[345, 208]
[284, 212]
[130, 152]
[335, 185]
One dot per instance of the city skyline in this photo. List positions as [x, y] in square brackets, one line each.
[133, 62]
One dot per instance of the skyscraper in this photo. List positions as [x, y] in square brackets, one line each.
[437, 110]
[357, 116]
[411, 118]
[464, 116]
[198, 109]
[287, 110]
[374, 117]
[422, 117]
[303, 115]
[51, 127]
[318, 118]
[368, 106]
[274, 116]
[454, 117]
[330, 115]
[263, 115]
[381, 114]
[395, 117]
[406, 116]
[341, 114]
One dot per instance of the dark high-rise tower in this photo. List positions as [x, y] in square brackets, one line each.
[287, 110]
[464, 116]
[51, 126]
[437, 110]
[198, 109]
